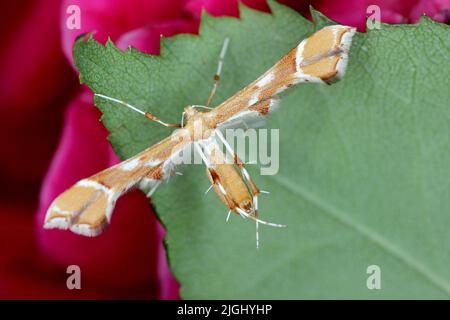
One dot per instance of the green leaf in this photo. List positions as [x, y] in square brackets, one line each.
[364, 173]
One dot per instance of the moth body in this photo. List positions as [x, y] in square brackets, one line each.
[235, 193]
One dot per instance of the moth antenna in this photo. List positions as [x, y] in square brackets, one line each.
[255, 210]
[257, 234]
[264, 191]
[271, 224]
[257, 227]
[219, 70]
[146, 114]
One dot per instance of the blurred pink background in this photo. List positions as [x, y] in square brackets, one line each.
[51, 138]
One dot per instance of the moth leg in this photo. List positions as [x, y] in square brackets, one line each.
[219, 70]
[146, 114]
[209, 189]
[228, 215]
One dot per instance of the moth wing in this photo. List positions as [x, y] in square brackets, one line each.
[87, 206]
[320, 58]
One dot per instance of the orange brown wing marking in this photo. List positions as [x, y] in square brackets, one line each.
[156, 174]
[86, 207]
[262, 108]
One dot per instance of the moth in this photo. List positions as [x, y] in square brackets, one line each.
[86, 207]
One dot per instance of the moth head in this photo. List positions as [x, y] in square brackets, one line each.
[190, 112]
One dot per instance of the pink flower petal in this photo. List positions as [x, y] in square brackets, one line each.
[24, 272]
[439, 10]
[30, 78]
[112, 18]
[36, 80]
[213, 7]
[354, 12]
[147, 39]
[260, 5]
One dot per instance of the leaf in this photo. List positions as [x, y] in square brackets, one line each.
[364, 173]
